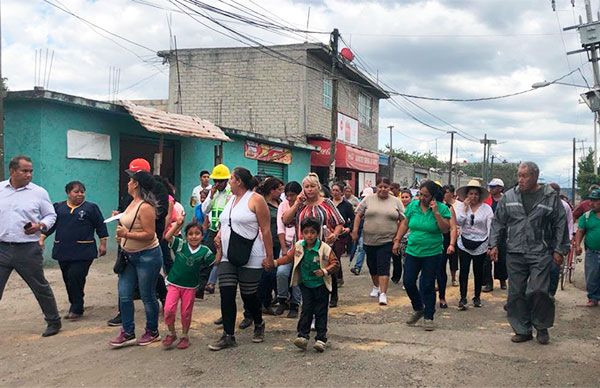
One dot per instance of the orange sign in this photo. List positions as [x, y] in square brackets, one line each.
[267, 153]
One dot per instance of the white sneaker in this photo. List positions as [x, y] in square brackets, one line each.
[312, 325]
[374, 292]
[382, 299]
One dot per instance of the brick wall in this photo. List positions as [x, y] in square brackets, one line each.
[247, 89]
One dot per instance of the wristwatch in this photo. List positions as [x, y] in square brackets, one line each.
[43, 228]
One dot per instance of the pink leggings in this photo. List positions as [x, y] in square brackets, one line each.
[187, 296]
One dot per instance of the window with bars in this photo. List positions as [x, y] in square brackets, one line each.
[327, 93]
[364, 109]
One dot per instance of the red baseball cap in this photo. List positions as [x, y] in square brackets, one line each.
[137, 165]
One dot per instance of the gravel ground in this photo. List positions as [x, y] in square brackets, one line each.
[369, 345]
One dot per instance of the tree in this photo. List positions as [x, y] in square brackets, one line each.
[3, 84]
[427, 160]
[505, 171]
[585, 175]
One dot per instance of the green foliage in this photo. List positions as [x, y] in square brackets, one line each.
[505, 171]
[427, 160]
[3, 84]
[585, 175]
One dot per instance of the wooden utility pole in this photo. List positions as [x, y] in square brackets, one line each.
[451, 154]
[573, 172]
[391, 160]
[335, 35]
[486, 157]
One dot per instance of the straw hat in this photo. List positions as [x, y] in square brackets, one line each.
[473, 184]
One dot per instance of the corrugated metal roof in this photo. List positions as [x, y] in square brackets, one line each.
[157, 121]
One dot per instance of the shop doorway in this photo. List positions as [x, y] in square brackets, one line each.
[136, 147]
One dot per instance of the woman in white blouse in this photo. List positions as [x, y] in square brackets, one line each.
[474, 219]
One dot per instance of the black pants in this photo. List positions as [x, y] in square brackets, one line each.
[397, 271]
[441, 276]
[315, 302]
[166, 253]
[74, 274]
[465, 264]
[267, 287]
[500, 271]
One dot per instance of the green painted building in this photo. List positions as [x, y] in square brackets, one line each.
[74, 138]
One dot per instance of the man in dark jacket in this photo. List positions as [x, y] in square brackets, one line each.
[531, 221]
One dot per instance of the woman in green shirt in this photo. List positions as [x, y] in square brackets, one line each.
[427, 220]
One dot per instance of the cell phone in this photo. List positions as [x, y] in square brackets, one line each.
[27, 226]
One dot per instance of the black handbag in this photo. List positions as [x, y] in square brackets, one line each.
[471, 244]
[240, 248]
[123, 256]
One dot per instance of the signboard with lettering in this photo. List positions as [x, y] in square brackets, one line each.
[267, 153]
[347, 129]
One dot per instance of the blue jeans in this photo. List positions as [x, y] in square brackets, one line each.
[142, 269]
[359, 254]
[592, 274]
[283, 284]
[423, 297]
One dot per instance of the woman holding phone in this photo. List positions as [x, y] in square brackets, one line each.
[427, 220]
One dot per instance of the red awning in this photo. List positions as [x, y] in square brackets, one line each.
[345, 157]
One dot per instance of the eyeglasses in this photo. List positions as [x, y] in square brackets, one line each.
[472, 219]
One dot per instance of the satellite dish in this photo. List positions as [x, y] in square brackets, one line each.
[347, 54]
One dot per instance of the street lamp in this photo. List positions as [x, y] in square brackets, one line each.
[543, 84]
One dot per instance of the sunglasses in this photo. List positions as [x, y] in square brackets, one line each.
[472, 219]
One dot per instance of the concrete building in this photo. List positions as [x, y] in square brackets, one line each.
[75, 138]
[283, 91]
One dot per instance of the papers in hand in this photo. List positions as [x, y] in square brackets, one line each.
[113, 218]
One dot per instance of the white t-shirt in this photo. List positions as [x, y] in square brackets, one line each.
[480, 228]
[197, 190]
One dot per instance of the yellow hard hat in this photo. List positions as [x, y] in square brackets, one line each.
[220, 172]
[438, 183]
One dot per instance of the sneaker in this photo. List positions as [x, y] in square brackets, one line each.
[226, 341]
[487, 288]
[382, 299]
[72, 316]
[333, 304]
[319, 346]
[355, 271]
[517, 338]
[281, 307]
[210, 288]
[149, 337]
[116, 321]
[462, 304]
[183, 343]
[374, 292]
[591, 303]
[293, 313]
[123, 339]
[169, 339]
[503, 284]
[428, 325]
[259, 333]
[219, 321]
[245, 323]
[454, 283]
[268, 311]
[415, 317]
[542, 337]
[301, 343]
[476, 302]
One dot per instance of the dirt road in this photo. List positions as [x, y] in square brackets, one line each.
[369, 345]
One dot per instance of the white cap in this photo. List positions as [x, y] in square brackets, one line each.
[496, 182]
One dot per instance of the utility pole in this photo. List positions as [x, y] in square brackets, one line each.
[451, 154]
[391, 160]
[335, 35]
[486, 156]
[492, 167]
[573, 173]
[1, 106]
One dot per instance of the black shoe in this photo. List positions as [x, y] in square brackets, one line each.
[503, 284]
[340, 282]
[268, 311]
[517, 338]
[52, 329]
[116, 321]
[245, 323]
[281, 307]
[487, 288]
[462, 304]
[355, 271]
[443, 305]
[543, 337]
[505, 307]
[259, 333]
[219, 321]
[395, 281]
[415, 317]
[333, 303]
[226, 341]
[476, 302]
[293, 313]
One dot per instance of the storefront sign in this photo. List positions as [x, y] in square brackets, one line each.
[347, 129]
[267, 153]
[345, 157]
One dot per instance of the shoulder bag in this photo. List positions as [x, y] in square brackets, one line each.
[240, 248]
[123, 256]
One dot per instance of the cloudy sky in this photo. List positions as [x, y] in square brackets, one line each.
[459, 49]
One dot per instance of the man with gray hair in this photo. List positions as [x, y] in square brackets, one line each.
[531, 221]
